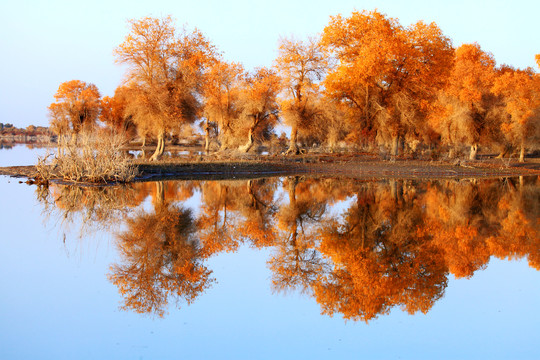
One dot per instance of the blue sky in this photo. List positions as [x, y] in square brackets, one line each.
[44, 43]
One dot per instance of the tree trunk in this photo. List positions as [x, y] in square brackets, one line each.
[332, 139]
[504, 152]
[366, 106]
[207, 137]
[143, 151]
[159, 148]
[293, 230]
[395, 146]
[249, 144]
[225, 136]
[474, 150]
[293, 147]
[522, 154]
[162, 144]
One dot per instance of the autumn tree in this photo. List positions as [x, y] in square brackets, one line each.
[385, 73]
[221, 99]
[520, 90]
[166, 72]
[259, 104]
[302, 65]
[465, 108]
[114, 114]
[76, 108]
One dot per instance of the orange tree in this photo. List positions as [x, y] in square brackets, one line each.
[385, 73]
[114, 115]
[296, 264]
[76, 107]
[259, 104]
[166, 71]
[464, 108]
[520, 90]
[301, 65]
[221, 99]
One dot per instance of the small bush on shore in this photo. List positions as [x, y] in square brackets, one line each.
[92, 158]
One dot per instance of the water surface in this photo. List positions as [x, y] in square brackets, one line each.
[272, 268]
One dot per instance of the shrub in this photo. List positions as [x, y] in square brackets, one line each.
[92, 158]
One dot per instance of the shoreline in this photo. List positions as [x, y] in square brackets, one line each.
[323, 166]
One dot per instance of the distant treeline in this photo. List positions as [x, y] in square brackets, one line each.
[10, 135]
[365, 83]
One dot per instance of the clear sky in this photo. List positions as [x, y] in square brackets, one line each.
[44, 43]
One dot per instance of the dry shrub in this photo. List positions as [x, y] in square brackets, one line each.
[91, 158]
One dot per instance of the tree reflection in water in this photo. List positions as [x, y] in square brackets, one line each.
[297, 263]
[160, 258]
[395, 244]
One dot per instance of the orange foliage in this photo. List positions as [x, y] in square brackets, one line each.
[521, 92]
[472, 75]
[375, 270]
[217, 220]
[76, 107]
[464, 110]
[257, 210]
[519, 236]
[114, 114]
[166, 72]
[390, 92]
[221, 92]
[259, 103]
[296, 263]
[301, 65]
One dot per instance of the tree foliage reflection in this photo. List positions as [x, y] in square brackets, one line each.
[160, 258]
[358, 248]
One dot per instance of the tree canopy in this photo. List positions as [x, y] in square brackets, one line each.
[366, 83]
[76, 107]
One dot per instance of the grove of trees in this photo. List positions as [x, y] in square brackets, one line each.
[365, 83]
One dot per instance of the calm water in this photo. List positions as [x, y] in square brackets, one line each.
[274, 268]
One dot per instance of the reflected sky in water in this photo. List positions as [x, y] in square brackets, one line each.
[15, 155]
[258, 261]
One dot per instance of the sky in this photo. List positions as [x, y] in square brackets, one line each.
[44, 43]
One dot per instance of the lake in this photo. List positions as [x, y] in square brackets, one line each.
[272, 268]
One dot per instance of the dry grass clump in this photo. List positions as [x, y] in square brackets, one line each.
[91, 158]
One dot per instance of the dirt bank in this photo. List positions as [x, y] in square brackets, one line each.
[354, 166]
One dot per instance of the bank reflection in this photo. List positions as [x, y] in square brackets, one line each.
[359, 248]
